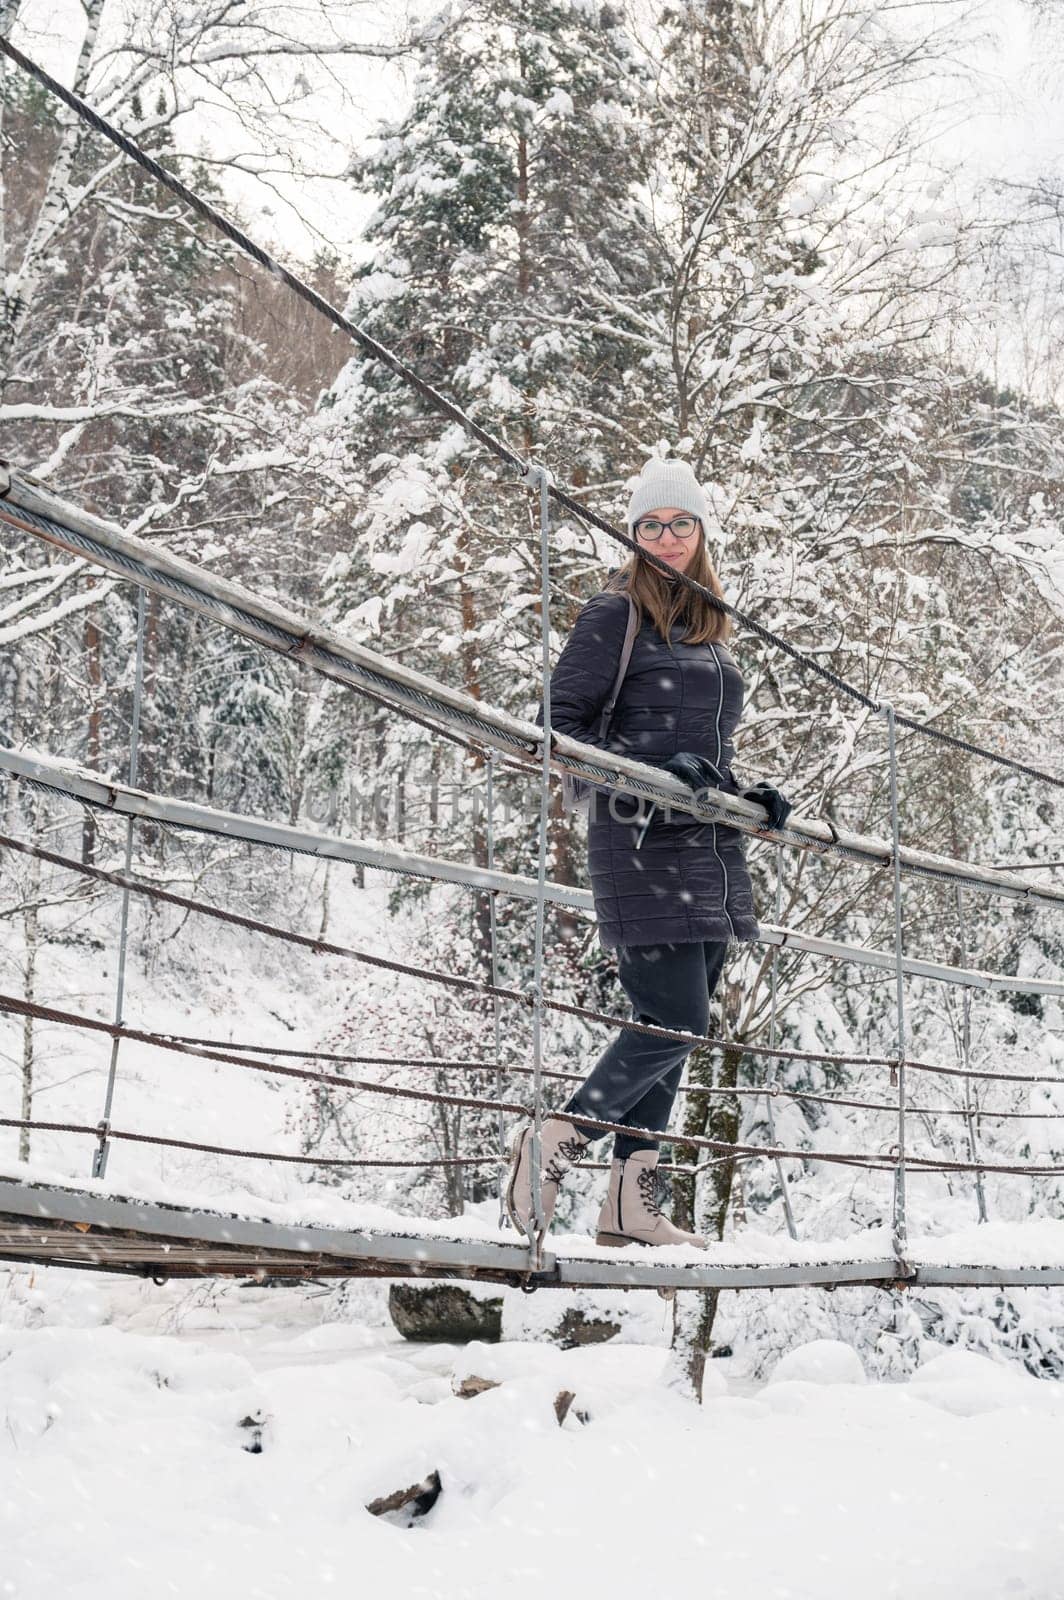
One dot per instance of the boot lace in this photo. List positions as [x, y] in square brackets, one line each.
[647, 1180]
[572, 1150]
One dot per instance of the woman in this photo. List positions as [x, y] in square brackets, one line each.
[670, 892]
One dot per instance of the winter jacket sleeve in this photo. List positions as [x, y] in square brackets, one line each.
[586, 671]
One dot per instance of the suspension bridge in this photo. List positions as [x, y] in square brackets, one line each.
[47, 1217]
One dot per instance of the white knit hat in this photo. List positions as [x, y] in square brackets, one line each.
[668, 483]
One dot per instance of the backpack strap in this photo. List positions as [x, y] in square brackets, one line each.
[622, 666]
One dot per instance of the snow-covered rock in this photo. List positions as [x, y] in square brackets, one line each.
[819, 1361]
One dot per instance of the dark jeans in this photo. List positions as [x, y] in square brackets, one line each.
[635, 1079]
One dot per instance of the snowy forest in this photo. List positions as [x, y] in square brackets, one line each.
[769, 237]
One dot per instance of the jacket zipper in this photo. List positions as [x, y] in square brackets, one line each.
[716, 852]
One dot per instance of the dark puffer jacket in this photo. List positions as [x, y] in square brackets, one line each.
[689, 879]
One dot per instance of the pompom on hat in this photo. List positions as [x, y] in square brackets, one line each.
[668, 483]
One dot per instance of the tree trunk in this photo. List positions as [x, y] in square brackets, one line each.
[355, 803]
[22, 286]
[470, 659]
[323, 925]
[94, 680]
[563, 864]
[449, 1130]
[31, 925]
[17, 689]
[147, 766]
[713, 1117]
[692, 1323]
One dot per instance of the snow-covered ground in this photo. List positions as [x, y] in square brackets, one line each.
[127, 1473]
[127, 1408]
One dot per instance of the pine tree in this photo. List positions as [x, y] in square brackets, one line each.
[510, 220]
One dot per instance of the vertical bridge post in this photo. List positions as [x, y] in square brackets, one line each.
[966, 1055]
[496, 980]
[773, 1063]
[899, 1225]
[536, 477]
[100, 1154]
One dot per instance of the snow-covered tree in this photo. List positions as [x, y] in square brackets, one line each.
[510, 204]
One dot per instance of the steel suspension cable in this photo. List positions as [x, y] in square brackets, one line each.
[772, 1090]
[282, 1155]
[482, 988]
[877, 1161]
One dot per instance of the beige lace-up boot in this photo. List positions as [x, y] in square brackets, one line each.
[630, 1212]
[561, 1146]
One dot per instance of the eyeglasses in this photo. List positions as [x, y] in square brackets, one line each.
[652, 529]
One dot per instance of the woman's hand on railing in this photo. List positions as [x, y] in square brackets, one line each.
[697, 771]
[776, 804]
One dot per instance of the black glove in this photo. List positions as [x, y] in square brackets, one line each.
[697, 771]
[777, 805]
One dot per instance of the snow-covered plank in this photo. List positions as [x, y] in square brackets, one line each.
[412, 1246]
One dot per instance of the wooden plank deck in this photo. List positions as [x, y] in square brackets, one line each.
[58, 1225]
